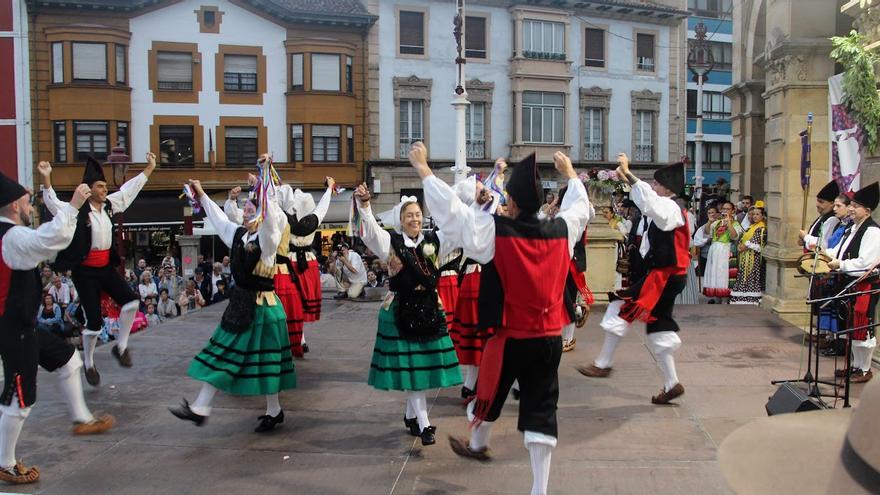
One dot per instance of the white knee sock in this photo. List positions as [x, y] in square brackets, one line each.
[410, 412]
[540, 448]
[667, 366]
[11, 421]
[469, 373]
[472, 380]
[273, 405]
[90, 341]
[420, 405]
[606, 355]
[126, 320]
[480, 436]
[869, 354]
[664, 345]
[71, 388]
[202, 404]
[568, 332]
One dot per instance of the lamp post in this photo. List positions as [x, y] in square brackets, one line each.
[120, 162]
[459, 100]
[700, 61]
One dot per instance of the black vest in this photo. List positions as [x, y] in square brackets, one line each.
[21, 304]
[817, 225]
[416, 269]
[243, 260]
[79, 247]
[661, 252]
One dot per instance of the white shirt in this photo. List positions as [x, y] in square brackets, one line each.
[660, 210]
[148, 290]
[379, 240]
[102, 224]
[359, 276]
[24, 248]
[214, 280]
[61, 294]
[285, 202]
[869, 251]
[825, 231]
[268, 233]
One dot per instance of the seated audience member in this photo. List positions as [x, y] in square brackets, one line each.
[372, 280]
[203, 283]
[49, 315]
[152, 318]
[220, 294]
[171, 281]
[191, 298]
[166, 307]
[60, 291]
[147, 288]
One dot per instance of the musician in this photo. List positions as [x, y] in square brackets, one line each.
[822, 226]
[858, 252]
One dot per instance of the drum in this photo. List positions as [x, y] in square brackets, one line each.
[805, 264]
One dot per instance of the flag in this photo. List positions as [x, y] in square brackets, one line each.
[805, 160]
[846, 139]
[495, 184]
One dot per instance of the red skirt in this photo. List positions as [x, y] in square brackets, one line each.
[287, 291]
[467, 339]
[310, 284]
[447, 287]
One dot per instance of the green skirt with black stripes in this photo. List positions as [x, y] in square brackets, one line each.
[254, 362]
[400, 364]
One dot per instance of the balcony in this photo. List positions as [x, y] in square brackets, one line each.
[543, 55]
[644, 153]
[593, 152]
[476, 149]
[404, 146]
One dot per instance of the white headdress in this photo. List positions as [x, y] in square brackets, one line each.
[303, 203]
[391, 218]
[466, 190]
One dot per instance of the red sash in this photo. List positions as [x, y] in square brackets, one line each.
[97, 258]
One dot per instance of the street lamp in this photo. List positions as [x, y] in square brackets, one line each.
[700, 61]
[459, 100]
[120, 162]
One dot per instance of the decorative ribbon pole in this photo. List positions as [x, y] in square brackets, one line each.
[806, 163]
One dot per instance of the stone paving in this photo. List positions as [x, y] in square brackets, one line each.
[342, 437]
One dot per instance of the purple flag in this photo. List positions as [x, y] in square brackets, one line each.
[805, 160]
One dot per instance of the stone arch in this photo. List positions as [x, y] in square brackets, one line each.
[756, 39]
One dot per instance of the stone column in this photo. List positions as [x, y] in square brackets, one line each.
[601, 257]
[189, 254]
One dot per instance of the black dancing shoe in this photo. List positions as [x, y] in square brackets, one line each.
[124, 357]
[467, 393]
[413, 425]
[341, 295]
[305, 347]
[93, 378]
[428, 435]
[267, 423]
[515, 393]
[185, 413]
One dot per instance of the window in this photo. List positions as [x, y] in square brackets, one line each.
[543, 116]
[644, 151]
[176, 145]
[241, 145]
[715, 106]
[475, 130]
[89, 62]
[325, 72]
[595, 47]
[175, 71]
[544, 40]
[645, 52]
[349, 133]
[60, 142]
[722, 55]
[296, 77]
[325, 143]
[349, 75]
[296, 143]
[120, 63]
[716, 156]
[411, 125]
[57, 63]
[240, 73]
[209, 17]
[412, 33]
[122, 135]
[593, 149]
[710, 8]
[475, 37]
[91, 139]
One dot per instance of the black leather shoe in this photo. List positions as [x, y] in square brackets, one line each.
[185, 413]
[305, 347]
[515, 393]
[124, 357]
[341, 295]
[428, 435]
[267, 423]
[467, 393]
[93, 378]
[413, 425]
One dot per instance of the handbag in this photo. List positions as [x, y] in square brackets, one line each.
[418, 316]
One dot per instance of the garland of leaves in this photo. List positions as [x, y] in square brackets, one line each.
[859, 83]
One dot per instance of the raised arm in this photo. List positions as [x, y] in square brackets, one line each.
[125, 196]
[375, 237]
[575, 209]
[233, 212]
[323, 205]
[663, 211]
[225, 229]
[270, 231]
[50, 199]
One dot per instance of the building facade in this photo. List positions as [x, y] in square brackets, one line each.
[15, 144]
[717, 17]
[591, 78]
[207, 86]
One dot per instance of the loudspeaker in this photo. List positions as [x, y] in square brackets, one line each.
[789, 399]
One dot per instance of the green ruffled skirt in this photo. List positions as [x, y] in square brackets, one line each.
[400, 364]
[254, 362]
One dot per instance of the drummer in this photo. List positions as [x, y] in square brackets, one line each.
[821, 228]
[857, 253]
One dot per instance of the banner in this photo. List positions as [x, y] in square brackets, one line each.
[846, 139]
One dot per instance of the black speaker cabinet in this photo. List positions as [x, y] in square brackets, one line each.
[788, 399]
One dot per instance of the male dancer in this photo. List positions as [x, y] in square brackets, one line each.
[21, 346]
[526, 278]
[665, 250]
[93, 257]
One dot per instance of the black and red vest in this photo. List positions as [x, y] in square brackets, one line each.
[668, 248]
[522, 287]
[855, 245]
[74, 254]
[18, 306]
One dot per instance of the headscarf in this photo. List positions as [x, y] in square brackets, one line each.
[391, 218]
[303, 203]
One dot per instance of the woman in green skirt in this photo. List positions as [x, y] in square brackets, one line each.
[413, 351]
[249, 353]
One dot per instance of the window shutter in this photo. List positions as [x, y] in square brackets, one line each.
[174, 66]
[475, 36]
[325, 131]
[90, 61]
[241, 132]
[645, 46]
[412, 32]
[595, 39]
[57, 63]
[240, 64]
[120, 63]
[325, 72]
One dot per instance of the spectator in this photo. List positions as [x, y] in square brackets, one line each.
[152, 318]
[67, 278]
[220, 294]
[227, 268]
[204, 264]
[171, 281]
[354, 276]
[46, 277]
[751, 276]
[132, 281]
[203, 283]
[216, 277]
[140, 268]
[73, 319]
[60, 291]
[373, 280]
[190, 298]
[168, 260]
[49, 316]
[147, 288]
[166, 307]
[744, 211]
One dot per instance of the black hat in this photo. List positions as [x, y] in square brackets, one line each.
[868, 196]
[829, 192]
[94, 172]
[525, 187]
[671, 177]
[628, 203]
[9, 190]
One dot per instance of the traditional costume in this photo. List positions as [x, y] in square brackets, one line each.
[751, 275]
[577, 296]
[652, 299]
[822, 227]
[23, 348]
[93, 257]
[859, 251]
[413, 351]
[526, 262]
[721, 262]
[691, 289]
[249, 353]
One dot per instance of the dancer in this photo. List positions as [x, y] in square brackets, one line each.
[413, 351]
[652, 299]
[857, 252]
[22, 348]
[93, 257]
[575, 289]
[523, 291]
[249, 353]
[824, 224]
